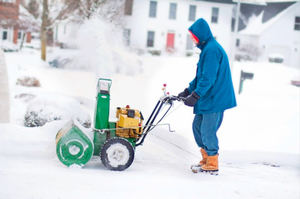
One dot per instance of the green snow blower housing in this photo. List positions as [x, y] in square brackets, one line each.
[114, 142]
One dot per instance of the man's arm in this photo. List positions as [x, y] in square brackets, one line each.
[192, 86]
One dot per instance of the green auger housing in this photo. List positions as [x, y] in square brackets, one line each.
[73, 145]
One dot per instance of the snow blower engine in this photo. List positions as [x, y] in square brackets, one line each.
[114, 142]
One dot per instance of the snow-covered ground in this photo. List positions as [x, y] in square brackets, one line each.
[259, 140]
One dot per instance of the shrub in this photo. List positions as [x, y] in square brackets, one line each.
[28, 82]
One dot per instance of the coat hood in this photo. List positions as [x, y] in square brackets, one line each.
[202, 31]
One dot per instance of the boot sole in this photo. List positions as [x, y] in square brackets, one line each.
[211, 172]
[199, 170]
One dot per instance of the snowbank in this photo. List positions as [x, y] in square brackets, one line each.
[4, 91]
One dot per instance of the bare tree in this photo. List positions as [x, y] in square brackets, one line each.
[48, 13]
[110, 10]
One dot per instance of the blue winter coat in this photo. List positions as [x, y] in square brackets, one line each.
[213, 81]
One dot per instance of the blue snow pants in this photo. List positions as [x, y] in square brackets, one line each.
[205, 127]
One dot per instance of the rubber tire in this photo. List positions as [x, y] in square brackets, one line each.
[109, 143]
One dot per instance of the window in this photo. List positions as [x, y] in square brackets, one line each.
[297, 23]
[214, 15]
[150, 39]
[152, 10]
[232, 24]
[192, 13]
[128, 7]
[172, 11]
[189, 42]
[8, 1]
[126, 35]
[237, 43]
[4, 35]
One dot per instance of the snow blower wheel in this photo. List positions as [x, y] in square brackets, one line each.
[117, 154]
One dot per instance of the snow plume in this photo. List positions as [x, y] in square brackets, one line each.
[102, 49]
[255, 25]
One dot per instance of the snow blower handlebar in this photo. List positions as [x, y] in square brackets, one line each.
[166, 99]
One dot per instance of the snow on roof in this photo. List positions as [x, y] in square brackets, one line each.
[256, 26]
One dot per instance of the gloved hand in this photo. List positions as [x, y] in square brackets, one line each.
[192, 99]
[184, 93]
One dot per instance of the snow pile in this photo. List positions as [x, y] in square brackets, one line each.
[102, 50]
[49, 108]
[8, 46]
[4, 90]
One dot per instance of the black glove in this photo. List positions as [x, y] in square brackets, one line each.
[184, 93]
[192, 99]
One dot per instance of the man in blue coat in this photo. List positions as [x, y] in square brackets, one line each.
[210, 93]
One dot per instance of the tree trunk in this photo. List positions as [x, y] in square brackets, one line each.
[43, 44]
[44, 30]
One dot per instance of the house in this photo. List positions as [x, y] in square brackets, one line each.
[10, 29]
[162, 25]
[276, 39]
[9, 12]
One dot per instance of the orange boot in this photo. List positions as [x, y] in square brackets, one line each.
[204, 157]
[212, 164]
[196, 167]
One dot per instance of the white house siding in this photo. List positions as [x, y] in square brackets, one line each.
[4, 92]
[140, 23]
[277, 37]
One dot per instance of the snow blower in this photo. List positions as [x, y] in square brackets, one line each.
[114, 142]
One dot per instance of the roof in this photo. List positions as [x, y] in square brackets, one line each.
[219, 1]
[257, 24]
[249, 1]
[269, 11]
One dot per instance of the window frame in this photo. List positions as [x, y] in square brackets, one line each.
[126, 36]
[6, 35]
[153, 7]
[8, 1]
[297, 23]
[172, 7]
[192, 16]
[150, 43]
[128, 8]
[215, 12]
[238, 42]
